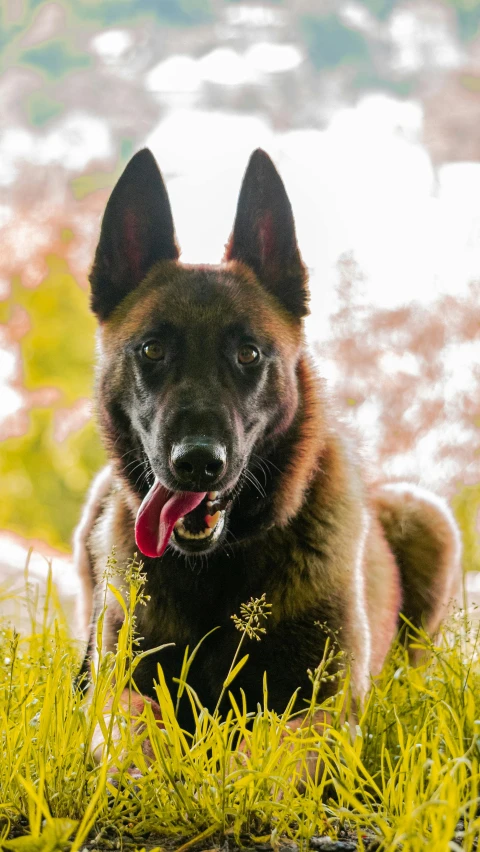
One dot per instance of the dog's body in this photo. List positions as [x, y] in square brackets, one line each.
[229, 472]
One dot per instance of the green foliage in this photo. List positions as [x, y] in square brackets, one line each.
[85, 184]
[41, 108]
[55, 59]
[467, 13]
[53, 838]
[43, 479]
[404, 774]
[468, 17]
[466, 506]
[114, 12]
[382, 9]
[367, 79]
[58, 349]
[330, 43]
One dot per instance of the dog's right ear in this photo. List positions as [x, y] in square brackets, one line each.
[264, 236]
[137, 231]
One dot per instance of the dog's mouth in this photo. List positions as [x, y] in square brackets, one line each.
[193, 520]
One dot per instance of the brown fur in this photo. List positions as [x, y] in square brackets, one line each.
[333, 553]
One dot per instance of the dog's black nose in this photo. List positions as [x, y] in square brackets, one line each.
[198, 463]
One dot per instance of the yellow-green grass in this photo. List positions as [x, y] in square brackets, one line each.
[406, 773]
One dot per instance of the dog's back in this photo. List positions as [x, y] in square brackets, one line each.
[423, 536]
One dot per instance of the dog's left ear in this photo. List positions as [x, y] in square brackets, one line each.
[137, 231]
[264, 236]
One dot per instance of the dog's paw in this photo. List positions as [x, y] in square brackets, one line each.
[133, 704]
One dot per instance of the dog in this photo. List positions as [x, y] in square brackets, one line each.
[229, 473]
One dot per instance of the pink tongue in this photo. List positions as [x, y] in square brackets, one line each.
[158, 515]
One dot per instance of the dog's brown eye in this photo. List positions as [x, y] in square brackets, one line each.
[153, 350]
[248, 354]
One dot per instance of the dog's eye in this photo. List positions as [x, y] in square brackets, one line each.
[153, 350]
[248, 354]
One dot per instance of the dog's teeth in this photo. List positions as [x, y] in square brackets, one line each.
[213, 528]
[212, 495]
[209, 504]
[184, 533]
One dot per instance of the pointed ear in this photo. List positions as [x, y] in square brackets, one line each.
[137, 231]
[264, 235]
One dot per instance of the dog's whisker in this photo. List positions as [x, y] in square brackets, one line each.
[135, 463]
[259, 466]
[250, 477]
[127, 452]
[266, 461]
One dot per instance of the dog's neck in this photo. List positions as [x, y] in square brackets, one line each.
[300, 462]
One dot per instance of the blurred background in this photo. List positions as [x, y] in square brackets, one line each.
[371, 111]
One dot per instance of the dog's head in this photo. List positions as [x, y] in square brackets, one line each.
[197, 372]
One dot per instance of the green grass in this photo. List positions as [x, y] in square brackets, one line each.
[405, 774]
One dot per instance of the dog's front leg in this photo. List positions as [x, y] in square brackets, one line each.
[133, 705]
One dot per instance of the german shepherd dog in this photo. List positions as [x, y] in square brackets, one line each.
[228, 471]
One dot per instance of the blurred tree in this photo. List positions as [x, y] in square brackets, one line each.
[466, 505]
[41, 108]
[468, 16]
[57, 56]
[44, 473]
[112, 12]
[331, 43]
[55, 59]
[381, 8]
